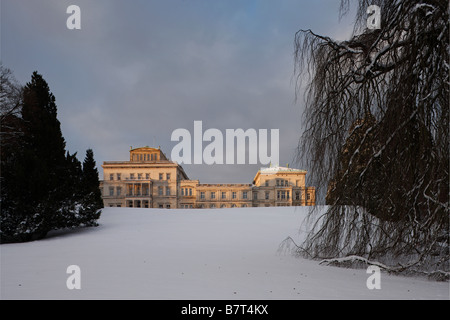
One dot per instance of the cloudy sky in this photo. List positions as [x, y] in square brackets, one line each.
[138, 70]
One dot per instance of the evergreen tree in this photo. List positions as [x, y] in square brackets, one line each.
[92, 198]
[42, 187]
[69, 216]
[37, 166]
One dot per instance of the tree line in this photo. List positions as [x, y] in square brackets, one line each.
[43, 186]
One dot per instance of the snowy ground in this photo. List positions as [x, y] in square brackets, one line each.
[228, 254]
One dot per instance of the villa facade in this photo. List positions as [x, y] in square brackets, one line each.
[150, 180]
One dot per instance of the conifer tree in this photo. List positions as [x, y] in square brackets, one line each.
[42, 187]
[92, 199]
[39, 164]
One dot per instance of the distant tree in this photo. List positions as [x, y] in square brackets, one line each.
[377, 134]
[92, 201]
[10, 95]
[70, 210]
[11, 129]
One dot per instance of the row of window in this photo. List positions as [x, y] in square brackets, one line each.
[279, 183]
[233, 205]
[188, 206]
[137, 191]
[223, 195]
[186, 191]
[145, 157]
[281, 195]
[139, 176]
[282, 183]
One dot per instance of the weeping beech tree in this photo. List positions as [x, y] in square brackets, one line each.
[376, 135]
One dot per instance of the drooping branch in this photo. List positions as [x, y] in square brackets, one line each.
[376, 131]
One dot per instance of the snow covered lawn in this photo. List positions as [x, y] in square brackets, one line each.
[226, 254]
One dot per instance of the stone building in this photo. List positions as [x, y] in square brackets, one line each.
[150, 180]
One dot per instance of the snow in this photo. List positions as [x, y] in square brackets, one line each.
[276, 169]
[190, 254]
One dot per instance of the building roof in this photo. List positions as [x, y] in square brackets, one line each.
[272, 170]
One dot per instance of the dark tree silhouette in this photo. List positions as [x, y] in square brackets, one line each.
[42, 187]
[376, 135]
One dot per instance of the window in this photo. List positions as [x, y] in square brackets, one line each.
[167, 191]
[160, 191]
[213, 195]
[224, 195]
[297, 195]
[139, 176]
[267, 195]
[111, 191]
[244, 195]
[278, 195]
[161, 206]
[255, 195]
[147, 176]
[182, 191]
[308, 196]
[233, 195]
[288, 195]
[167, 176]
[202, 195]
[119, 191]
[267, 183]
[278, 182]
[111, 176]
[131, 176]
[119, 176]
[137, 190]
[160, 176]
[190, 191]
[168, 206]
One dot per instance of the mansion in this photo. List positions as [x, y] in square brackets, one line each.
[150, 180]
